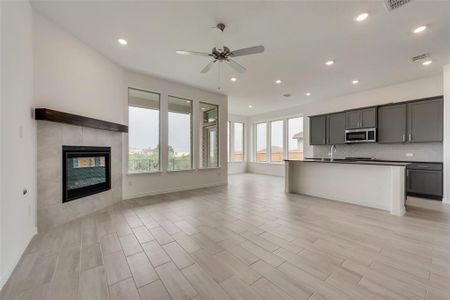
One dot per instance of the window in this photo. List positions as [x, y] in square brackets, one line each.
[143, 135]
[295, 138]
[261, 142]
[276, 141]
[180, 134]
[209, 142]
[238, 146]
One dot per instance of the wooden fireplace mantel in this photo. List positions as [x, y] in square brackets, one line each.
[46, 114]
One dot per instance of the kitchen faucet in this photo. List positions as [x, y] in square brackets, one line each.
[332, 151]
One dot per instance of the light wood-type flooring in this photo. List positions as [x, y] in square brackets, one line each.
[248, 240]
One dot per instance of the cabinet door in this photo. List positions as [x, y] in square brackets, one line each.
[353, 119]
[336, 128]
[424, 182]
[317, 130]
[369, 118]
[392, 123]
[425, 121]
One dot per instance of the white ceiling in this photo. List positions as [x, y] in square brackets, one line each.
[298, 37]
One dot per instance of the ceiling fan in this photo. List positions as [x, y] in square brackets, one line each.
[224, 54]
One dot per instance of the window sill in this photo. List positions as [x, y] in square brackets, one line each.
[212, 168]
[177, 171]
[268, 163]
[144, 173]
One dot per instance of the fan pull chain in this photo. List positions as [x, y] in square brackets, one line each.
[218, 77]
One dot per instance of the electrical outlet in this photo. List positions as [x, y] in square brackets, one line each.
[409, 154]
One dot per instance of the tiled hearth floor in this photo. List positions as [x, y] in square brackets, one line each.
[248, 240]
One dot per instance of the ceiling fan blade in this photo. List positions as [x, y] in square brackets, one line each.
[237, 67]
[184, 52]
[247, 51]
[208, 67]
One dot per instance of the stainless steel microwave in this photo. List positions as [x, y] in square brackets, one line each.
[367, 135]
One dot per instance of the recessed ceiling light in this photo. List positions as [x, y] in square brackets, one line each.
[278, 81]
[420, 29]
[427, 62]
[361, 17]
[181, 52]
[308, 94]
[122, 41]
[250, 106]
[233, 79]
[355, 81]
[330, 63]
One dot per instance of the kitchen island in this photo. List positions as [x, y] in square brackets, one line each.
[368, 183]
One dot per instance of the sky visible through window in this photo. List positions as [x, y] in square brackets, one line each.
[143, 128]
[295, 126]
[261, 137]
[238, 137]
[144, 132]
[180, 132]
[277, 134]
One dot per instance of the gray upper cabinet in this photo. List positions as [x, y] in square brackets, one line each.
[361, 118]
[369, 117]
[425, 120]
[352, 119]
[336, 128]
[392, 123]
[317, 130]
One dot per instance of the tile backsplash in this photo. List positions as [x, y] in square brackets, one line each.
[432, 152]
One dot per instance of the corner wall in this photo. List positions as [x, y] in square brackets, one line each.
[18, 135]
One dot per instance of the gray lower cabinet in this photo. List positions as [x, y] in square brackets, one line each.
[392, 123]
[425, 120]
[361, 118]
[336, 128]
[317, 130]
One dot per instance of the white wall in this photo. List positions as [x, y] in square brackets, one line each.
[138, 185]
[236, 167]
[18, 132]
[421, 88]
[72, 77]
[446, 83]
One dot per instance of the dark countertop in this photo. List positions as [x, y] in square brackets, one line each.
[353, 162]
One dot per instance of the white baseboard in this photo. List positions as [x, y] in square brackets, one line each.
[176, 189]
[12, 265]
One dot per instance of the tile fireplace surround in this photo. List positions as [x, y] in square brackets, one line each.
[51, 136]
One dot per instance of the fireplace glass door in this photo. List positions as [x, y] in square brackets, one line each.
[86, 171]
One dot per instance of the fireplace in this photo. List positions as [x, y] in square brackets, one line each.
[86, 171]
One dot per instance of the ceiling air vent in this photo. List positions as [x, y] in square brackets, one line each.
[287, 95]
[420, 57]
[394, 4]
